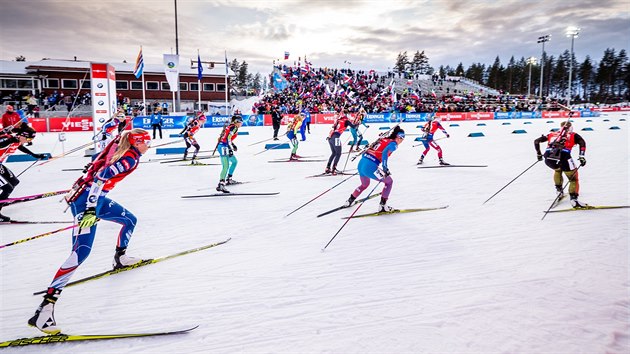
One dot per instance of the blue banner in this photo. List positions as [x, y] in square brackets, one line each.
[415, 117]
[179, 122]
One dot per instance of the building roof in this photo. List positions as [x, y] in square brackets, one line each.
[26, 67]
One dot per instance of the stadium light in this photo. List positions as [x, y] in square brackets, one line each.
[572, 32]
[542, 39]
[531, 61]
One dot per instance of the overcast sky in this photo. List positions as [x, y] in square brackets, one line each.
[368, 34]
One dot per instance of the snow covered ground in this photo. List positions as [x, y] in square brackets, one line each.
[471, 278]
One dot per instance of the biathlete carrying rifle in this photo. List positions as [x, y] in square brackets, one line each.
[557, 156]
[188, 133]
[226, 149]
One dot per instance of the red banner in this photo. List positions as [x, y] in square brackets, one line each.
[39, 124]
[560, 114]
[73, 124]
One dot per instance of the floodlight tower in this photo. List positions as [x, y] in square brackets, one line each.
[531, 61]
[542, 39]
[572, 32]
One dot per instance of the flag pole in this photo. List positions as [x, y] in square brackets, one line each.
[226, 84]
[198, 81]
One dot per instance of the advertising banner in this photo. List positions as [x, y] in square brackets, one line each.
[39, 124]
[168, 122]
[72, 124]
[171, 70]
[103, 89]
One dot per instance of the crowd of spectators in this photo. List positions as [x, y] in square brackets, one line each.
[328, 90]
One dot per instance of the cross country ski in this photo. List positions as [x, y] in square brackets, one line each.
[396, 211]
[344, 207]
[138, 265]
[591, 207]
[63, 338]
[443, 166]
[230, 194]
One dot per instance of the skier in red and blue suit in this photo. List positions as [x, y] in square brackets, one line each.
[334, 140]
[368, 167]
[89, 204]
[429, 129]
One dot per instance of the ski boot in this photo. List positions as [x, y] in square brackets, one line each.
[185, 155]
[44, 317]
[230, 181]
[334, 171]
[121, 260]
[221, 187]
[384, 208]
[293, 157]
[327, 171]
[560, 192]
[349, 202]
[421, 161]
[443, 163]
[576, 204]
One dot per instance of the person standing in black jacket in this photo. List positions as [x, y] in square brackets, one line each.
[276, 118]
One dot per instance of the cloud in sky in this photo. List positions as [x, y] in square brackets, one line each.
[369, 34]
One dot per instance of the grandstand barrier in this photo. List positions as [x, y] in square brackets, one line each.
[363, 142]
[519, 131]
[614, 127]
[25, 158]
[475, 135]
[170, 151]
[277, 146]
[506, 123]
[587, 129]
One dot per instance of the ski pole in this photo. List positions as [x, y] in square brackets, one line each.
[10, 201]
[351, 215]
[26, 169]
[558, 196]
[425, 139]
[324, 192]
[38, 236]
[66, 153]
[511, 181]
[169, 143]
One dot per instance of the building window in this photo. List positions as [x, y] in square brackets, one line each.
[136, 85]
[51, 83]
[221, 87]
[153, 85]
[85, 84]
[183, 86]
[165, 86]
[69, 83]
[193, 86]
[122, 85]
[208, 87]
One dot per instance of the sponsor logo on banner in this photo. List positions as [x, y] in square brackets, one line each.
[73, 124]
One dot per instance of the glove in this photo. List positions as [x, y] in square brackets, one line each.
[540, 157]
[40, 156]
[447, 135]
[234, 147]
[366, 126]
[89, 218]
[582, 160]
[386, 172]
[230, 153]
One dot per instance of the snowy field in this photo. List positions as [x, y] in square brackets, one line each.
[471, 278]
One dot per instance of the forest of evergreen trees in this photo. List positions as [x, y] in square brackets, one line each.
[606, 81]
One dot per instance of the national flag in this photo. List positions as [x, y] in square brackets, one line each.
[433, 94]
[347, 79]
[226, 64]
[409, 82]
[415, 96]
[286, 55]
[199, 68]
[139, 68]
[393, 92]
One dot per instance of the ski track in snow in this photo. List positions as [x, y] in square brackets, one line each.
[471, 278]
